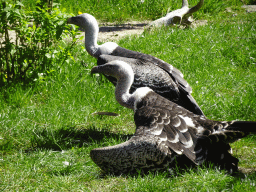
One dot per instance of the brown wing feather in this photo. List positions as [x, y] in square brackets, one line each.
[169, 127]
[167, 81]
[196, 137]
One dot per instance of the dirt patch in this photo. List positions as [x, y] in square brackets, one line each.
[107, 31]
[110, 32]
[249, 8]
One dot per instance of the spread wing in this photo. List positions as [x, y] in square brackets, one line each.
[168, 122]
[185, 133]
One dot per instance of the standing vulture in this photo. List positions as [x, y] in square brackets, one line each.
[165, 131]
[149, 71]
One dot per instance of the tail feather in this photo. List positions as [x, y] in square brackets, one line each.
[234, 131]
[243, 126]
[227, 136]
[215, 147]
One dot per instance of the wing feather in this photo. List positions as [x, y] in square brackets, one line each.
[171, 129]
[166, 81]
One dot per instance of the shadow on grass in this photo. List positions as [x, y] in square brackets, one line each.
[68, 137]
[122, 27]
[183, 166]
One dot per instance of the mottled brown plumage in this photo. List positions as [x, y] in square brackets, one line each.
[165, 131]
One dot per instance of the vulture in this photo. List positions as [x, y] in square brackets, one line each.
[149, 71]
[165, 132]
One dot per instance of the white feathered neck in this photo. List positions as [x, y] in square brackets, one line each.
[89, 25]
[125, 76]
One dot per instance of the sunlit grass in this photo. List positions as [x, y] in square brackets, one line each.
[121, 10]
[47, 130]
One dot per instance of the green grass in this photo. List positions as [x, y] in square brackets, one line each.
[121, 10]
[47, 130]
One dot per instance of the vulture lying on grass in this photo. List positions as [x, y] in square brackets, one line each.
[165, 131]
[149, 71]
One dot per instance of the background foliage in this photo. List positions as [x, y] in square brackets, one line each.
[35, 44]
[121, 10]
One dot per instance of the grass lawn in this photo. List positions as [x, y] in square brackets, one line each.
[120, 11]
[47, 130]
